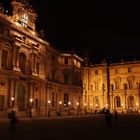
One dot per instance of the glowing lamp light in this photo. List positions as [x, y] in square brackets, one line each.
[31, 100]
[12, 98]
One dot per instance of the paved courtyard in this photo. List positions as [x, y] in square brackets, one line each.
[73, 128]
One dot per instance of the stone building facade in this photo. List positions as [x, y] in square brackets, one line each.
[33, 75]
[36, 77]
[115, 86]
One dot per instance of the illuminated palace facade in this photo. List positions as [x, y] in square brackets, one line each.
[34, 75]
[115, 86]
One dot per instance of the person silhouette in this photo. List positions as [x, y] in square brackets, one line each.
[108, 118]
[13, 121]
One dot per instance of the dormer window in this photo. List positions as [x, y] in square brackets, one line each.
[25, 20]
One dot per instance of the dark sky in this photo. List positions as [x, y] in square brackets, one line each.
[105, 28]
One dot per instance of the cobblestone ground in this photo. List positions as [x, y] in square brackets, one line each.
[73, 128]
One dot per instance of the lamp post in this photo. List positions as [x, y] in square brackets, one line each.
[96, 105]
[90, 108]
[69, 103]
[31, 101]
[60, 103]
[49, 102]
[122, 109]
[12, 102]
[85, 108]
[77, 107]
[137, 106]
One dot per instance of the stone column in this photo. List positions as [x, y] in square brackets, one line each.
[0, 57]
[18, 57]
[9, 93]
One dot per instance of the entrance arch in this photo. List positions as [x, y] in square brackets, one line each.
[21, 93]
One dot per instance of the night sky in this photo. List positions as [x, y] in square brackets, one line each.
[105, 29]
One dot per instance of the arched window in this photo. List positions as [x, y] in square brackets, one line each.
[131, 101]
[22, 62]
[117, 102]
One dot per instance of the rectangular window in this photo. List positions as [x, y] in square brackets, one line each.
[4, 58]
[53, 75]
[66, 61]
[129, 70]
[66, 99]
[116, 71]
[37, 68]
[117, 85]
[96, 72]
[66, 78]
[1, 102]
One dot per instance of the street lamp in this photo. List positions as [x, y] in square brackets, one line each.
[60, 102]
[106, 106]
[122, 108]
[96, 105]
[49, 108]
[91, 108]
[12, 102]
[77, 107]
[69, 103]
[31, 101]
[85, 108]
[137, 106]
